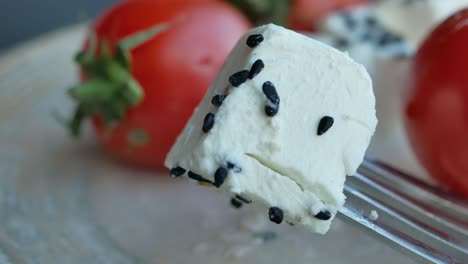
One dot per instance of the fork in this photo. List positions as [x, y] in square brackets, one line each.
[415, 218]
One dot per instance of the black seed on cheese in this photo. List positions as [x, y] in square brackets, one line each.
[220, 176]
[236, 203]
[208, 122]
[217, 100]
[257, 67]
[270, 91]
[367, 36]
[388, 38]
[197, 177]
[271, 110]
[271, 107]
[239, 78]
[194, 176]
[397, 39]
[349, 20]
[401, 54]
[276, 215]
[341, 43]
[242, 199]
[325, 123]
[233, 167]
[177, 171]
[323, 215]
[371, 21]
[384, 39]
[254, 40]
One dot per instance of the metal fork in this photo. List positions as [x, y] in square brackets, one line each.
[414, 218]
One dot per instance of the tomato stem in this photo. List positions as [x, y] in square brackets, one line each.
[110, 88]
[141, 37]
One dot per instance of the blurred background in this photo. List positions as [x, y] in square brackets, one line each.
[25, 19]
[107, 198]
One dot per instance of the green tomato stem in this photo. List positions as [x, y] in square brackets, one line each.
[110, 89]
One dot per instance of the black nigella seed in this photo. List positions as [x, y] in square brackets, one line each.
[242, 199]
[271, 110]
[233, 167]
[197, 177]
[217, 100]
[208, 122]
[367, 36]
[341, 43]
[239, 78]
[270, 91]
[371, 21]
[401, 54]
[257, 67]
[220, 176]
[325, 123]
[323, 215]
[266, 236]
[177, 171]
[254, 40]
[388, 38]
[349, 20]
[236, 203]
[384, 39]
[396, 38]
[276, 215]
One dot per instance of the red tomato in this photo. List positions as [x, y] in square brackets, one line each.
[437, 103]
[305, 14]
[174, 69]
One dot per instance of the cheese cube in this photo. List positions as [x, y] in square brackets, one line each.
[285, 121]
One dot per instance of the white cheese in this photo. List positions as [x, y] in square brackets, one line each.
[278, 160]
[360, 32]
[388, 66]
[414, 19]
[373, 215]
[392, 28]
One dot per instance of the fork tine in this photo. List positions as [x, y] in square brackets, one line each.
[396, 231]
[451, 207]
[424, 216]
[410, 223]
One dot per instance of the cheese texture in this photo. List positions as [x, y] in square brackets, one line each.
[360, 32]
[414, 19]
[386, 30]
[383, 36]
[287, 137]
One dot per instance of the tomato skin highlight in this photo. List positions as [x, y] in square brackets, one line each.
[436, 106]
[174, 68]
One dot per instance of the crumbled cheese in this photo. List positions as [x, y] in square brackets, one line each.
[373, 215]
